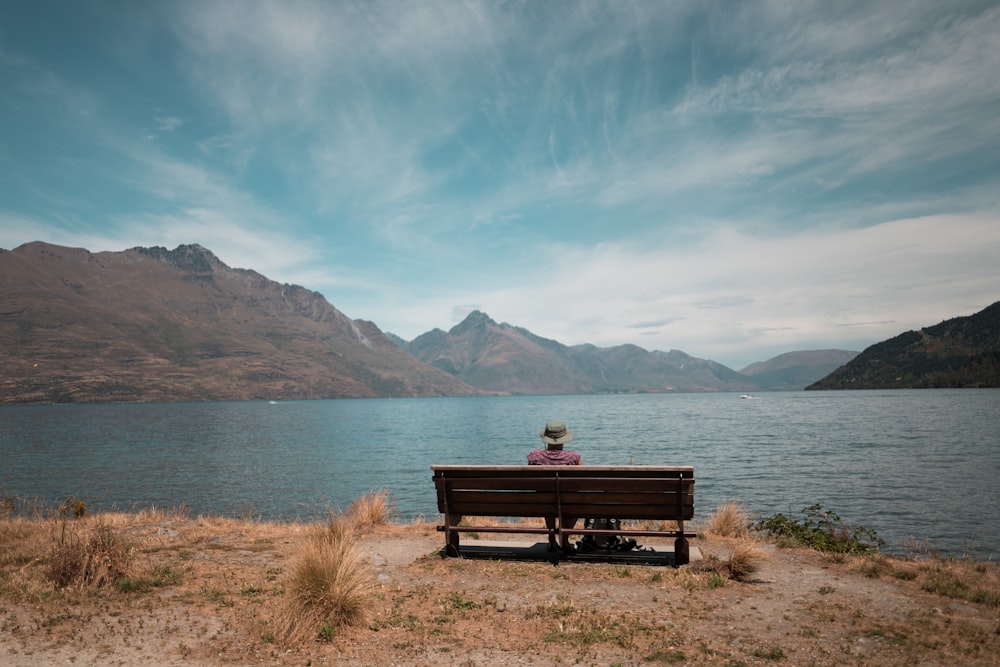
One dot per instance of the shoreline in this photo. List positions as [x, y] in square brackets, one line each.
[910, 547]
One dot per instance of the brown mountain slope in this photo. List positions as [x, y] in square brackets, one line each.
[149, 324]
[500, 358]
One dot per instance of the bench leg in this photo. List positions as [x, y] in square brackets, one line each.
[451, 543]
[451, 536]
[682, 552]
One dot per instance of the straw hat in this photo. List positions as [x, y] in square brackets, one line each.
[556, 433]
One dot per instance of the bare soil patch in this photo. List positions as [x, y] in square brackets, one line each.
[208, 591]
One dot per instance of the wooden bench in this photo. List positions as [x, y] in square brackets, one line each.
[640, 493]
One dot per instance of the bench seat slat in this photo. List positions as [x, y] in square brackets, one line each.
[657, 485]
[624, 495]
[460, 497]
[502, 483]
[502, 510]
[628, 532]
[608, 494]
[666, 505]
[643, 485]
[625, 512]
[579, 511]
[460, 500]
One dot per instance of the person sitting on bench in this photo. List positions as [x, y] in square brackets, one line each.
[555, 435]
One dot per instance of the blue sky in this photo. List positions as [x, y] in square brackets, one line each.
[730, 179]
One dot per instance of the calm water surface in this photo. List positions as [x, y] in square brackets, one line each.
[921, 465]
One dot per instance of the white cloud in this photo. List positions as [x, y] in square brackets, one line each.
[411, 159]
[736, 296]
[17, 229]
[893, 97]
[168, 123]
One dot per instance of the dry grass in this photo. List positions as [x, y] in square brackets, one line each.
[371, 510]
[83, 552]
[24, 545]
[730, 519]
[21, 541]
[215, 590]
[744, 560]
[89, 553]
[957, 578]
[331, 584]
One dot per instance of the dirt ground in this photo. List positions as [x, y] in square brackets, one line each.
[222, 582]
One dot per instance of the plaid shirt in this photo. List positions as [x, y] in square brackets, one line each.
[554, 457]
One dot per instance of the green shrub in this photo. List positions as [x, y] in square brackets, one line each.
[822, 530]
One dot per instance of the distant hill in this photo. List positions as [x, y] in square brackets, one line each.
[796, 370]
[504, 358]
[151, 324]
[500, 358]
[960, 352]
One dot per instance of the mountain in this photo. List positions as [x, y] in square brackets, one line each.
[506, 359]
[151, 324]
[500, 358]
[796, 370]
[960, 352]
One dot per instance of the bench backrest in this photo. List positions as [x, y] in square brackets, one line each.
[623, 492]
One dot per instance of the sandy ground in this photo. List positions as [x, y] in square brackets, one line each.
[228, 580]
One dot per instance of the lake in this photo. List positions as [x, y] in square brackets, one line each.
[915, 465]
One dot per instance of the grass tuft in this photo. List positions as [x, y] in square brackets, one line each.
[770, 653]
[743, 561]
[329, 586]
[371, 510]
[729, 520]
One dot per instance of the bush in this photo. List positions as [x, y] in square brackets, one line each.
[822, 530]
[95, 557]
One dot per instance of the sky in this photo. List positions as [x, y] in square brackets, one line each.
[730, 179]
